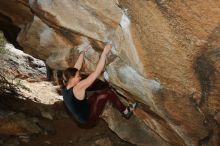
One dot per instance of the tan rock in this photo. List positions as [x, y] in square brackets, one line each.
[18, 11]
[165, 55]
[132, 130]
[89, 18]
[37, 36]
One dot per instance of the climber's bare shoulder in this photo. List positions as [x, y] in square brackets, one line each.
[80, 88]
[84, 84]
[79, 93]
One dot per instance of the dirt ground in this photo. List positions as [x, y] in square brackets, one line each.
[67, 133]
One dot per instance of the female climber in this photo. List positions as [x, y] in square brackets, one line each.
[88, 109]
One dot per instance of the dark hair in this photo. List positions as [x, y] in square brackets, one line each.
[59, 77]
[69, 72]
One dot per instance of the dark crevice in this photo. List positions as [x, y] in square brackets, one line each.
[204, 71]
[10, 30]
[206, 140]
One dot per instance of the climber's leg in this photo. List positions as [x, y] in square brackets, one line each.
[98, 100]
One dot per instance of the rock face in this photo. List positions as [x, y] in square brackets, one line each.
[32, 112]
[165, 56]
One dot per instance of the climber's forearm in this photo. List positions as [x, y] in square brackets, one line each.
[79, 61]
[83, 84]
[101, 64]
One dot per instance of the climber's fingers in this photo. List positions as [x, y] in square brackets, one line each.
[86, 48]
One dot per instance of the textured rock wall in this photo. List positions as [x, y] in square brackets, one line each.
[32, 112]
[165, 56]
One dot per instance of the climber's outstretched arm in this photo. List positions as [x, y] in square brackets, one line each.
[79, 61]
[82, 85]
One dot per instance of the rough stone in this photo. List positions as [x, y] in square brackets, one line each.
[47, 115]
[217, 117]
[29, 105]
[17, 125]
[132, 130]
[165, 55]
[16, 63]
[11, 142]
[18, 11]
[102, 142]
[39, 36]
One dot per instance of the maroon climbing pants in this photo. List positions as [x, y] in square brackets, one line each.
[98, 100]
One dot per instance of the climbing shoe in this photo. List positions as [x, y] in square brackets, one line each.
[129, 110]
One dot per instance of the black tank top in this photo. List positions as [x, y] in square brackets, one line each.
[79, 108]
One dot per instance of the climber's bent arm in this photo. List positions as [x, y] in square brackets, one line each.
[82, 85]
[79, 61]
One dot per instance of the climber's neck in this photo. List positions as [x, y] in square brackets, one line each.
[71, 84]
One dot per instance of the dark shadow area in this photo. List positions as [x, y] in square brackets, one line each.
[10, 30]
[204, 70]
[61, 130]
[204, 65]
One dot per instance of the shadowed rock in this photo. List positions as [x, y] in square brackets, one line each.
[165, 56]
